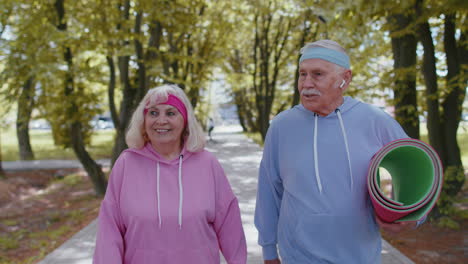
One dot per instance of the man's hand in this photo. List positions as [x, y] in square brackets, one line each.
[395, 227]
[272, 261]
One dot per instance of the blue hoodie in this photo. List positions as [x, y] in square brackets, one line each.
[312, 198]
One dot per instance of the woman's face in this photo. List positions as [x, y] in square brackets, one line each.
[164, 125]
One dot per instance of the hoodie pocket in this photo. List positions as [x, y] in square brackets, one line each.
[315, 237]
[142, 256]
[321, 238]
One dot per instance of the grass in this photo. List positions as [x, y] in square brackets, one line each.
[71, 180]
[463, 144]
[7, 243]
[43, 146]
[27, 238]
[462, 137]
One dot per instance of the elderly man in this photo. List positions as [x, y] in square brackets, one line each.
[312, 201]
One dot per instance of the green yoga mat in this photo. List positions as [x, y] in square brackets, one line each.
[416, 173]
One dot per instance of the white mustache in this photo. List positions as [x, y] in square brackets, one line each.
[310, 92]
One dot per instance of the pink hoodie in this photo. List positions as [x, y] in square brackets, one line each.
[188, 217]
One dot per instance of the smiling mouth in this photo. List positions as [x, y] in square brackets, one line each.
[162, 130]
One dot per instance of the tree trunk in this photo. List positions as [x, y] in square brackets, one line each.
[92, 168]
[141, 62]
[241, 100]
[127, 107]
[305, 36]
[244, 111]
[434, 127]
[119, 142]
[2, 172]
[132, 95]
[271, 37]
[404, 55]
[111, 91]
[25, 107]
[452, 105]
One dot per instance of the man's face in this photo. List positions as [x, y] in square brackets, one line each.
[318, 85]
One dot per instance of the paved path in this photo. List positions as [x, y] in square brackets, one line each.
[240, 158]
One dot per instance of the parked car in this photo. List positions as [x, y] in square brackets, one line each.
[39, 124]
[102, 122]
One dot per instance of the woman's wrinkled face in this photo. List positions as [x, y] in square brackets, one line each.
[164, 125]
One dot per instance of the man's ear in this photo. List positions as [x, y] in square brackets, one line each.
[347, 77]
[342, 83]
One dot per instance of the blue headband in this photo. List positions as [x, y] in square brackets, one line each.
[333, 56]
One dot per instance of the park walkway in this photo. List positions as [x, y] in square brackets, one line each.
[240, 158]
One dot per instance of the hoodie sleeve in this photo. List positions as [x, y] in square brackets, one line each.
[388, 129]
[228, 223]
[109, 243]
[269, 195]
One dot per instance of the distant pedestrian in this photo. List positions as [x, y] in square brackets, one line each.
[210, 127]
[168, 199]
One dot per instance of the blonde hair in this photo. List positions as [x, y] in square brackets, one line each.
[193, 136]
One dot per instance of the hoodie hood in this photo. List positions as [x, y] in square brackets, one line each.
[149, 152]
[348, 103]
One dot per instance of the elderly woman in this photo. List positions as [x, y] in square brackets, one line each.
[168, 199]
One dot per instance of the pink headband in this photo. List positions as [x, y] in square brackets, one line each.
[177, 103]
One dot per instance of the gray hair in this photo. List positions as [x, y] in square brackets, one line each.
[324, 43]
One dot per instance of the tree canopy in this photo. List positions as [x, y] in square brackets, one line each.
[68, 61]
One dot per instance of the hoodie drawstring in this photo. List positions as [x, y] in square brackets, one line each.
[317, 175]
[181, 193]
[338, 112]
[343, 131]
[157, 194]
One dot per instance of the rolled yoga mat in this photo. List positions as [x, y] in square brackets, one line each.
[417, 177]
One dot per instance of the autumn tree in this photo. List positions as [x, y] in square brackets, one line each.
[74, 94]
[404, 56]
[429, 70]
[236, 68]
[456, 51]
[407, 24]
[2, 172]
[21, 60]
[160, 42]
[4, 17]
[272, 36]
[444, 101]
